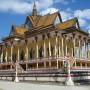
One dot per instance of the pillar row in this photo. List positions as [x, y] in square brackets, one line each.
[12, 53]
[2, 56]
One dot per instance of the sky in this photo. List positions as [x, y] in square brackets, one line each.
[14, 12]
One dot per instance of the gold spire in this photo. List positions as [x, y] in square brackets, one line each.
[34, 11]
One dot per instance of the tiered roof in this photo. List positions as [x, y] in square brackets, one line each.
[39, 22]
[45, 20]
[67, 24]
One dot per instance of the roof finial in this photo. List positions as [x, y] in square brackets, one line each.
[34, 11]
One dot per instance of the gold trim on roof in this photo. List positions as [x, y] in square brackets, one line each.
[67, 24]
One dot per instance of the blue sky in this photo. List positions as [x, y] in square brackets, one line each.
[15, 12]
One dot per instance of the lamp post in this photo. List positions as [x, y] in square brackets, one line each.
[69, 81]
[16, 73]
[16, 65]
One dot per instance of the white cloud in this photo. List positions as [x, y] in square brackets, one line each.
[25, 6]
[46, 6]
[43, 4]
[15, 6]
[88, 28]
[84, 17]
[49, 10]
[66, 15]
[65, 2]
[82, 22]
[82, 13]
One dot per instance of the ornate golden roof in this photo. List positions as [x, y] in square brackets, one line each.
[43, 20]
[39, 23]
[67, 24]
[20, 30]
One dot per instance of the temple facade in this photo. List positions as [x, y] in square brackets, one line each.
[43, 42]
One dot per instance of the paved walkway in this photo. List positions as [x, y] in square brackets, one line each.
[6, 85]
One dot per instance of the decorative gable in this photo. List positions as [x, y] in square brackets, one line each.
[28, 24]
[57, 20]
[77, 24]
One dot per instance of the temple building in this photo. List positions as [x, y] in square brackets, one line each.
[43, 42]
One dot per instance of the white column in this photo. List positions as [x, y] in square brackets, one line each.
[37, 54]
[26, 52]
[57, 64]
[74, 43]
[66, 45]
[59, 47]
[11, 52]
[49, 48]
[6, 55]
[44, 46]
[62, 47]
[87, 48]
[56, 51]
[2, 56]
[49, 53]
[37, 51]
[44, 50]
[66, 48]
[18, 54]
[36, 38]
[84, 50]
[59, 50]
[75, 63]
[26, 55]
[79, 49]
[74, 49]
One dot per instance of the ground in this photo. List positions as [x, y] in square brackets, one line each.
[6, 85]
